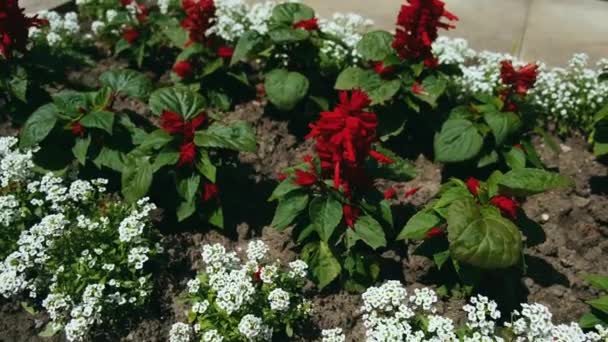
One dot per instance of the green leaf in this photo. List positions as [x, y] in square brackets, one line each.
[528, 181]
[288, 14]
[351, 78]
[401, 170]
[18, 84]
[282, 35]
[155, 140]
[324, 266]
[178, 99]
[127, 82]
[285, 89]
[176, 34]
[165, 157]
[290, 206]
[136, 178]
[482, 238]
[370, 231]
[600, 304]
[418, 225]
[239, 136]
[589, 320]
[458, 141]
[378, 89]
[216, 217]
[99, 119]
[206, 167]
[325, 214]
[246, 43]
[38, 125]
[502, 124]
[285, 187]
[80, 149]
[375, 45]
[600, 282]
[515, 158]
[440, 258]
[434, 86]
[50, 329]
[187, 189]
[110, 158]
[488, 158]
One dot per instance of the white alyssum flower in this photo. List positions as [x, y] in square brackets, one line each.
[333, 335]
[212, 336]
[200, 307]
[268, 273]
[256, 250]
[298, 269]
[180, 332]
[278, 299]
[251, 326]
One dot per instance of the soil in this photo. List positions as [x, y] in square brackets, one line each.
[575, 244]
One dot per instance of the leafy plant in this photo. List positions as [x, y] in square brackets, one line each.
[599, 306]
[339, 217]
[186, 147]
[480, 224]
[599, 135]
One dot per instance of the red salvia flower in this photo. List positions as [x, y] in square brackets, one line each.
[183, 69]
[308, 24]
[418, 89]
[473, 186]
[171, 122]
[521, 79]
[14, 27]
[225, 52]
[390, 193]
[77, 129]
[187, 154]
[210, 191]
[418, 23]
[130, 35]
[411, 192]
[174, 124]
[306, 178]
[382, 70]
[142, 13]
[198, 19]
[433, 233]
[351, 214]
[281, 177]
[508, 206]
[256, 274]
[382, 159]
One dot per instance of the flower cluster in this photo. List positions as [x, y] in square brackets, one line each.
[250, 301]
[517, 81]
[60, 238]
[174, 124]
[198, 18]
[390, 313]
[508, 206]
[349, 28]
[127, 19]
[62, 31]
[14, 26]
[418, 23]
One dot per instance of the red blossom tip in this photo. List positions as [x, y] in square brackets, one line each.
[473, 186]
[508, 206]
[307, 24]
[183, 69]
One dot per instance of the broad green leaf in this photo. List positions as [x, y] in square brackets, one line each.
[239, 136]
[99, 119]
[488, 158]
[418, 225]
[18, 84]
[589, 320]
[529, 181]
[285, 187]
[290, 206]
[110, 158]
[492, 183]
[351, 78]
[324, 266]
[206, 167]
[515, 158]
[80, 149]
[155, 140]
[136, 178]
[370, 231]
[212, 66]
[187, 189]
[482, 238]
[502, 124]
[246, 43]
[282, 35]
[602, 114]
[325, 214]
[38, 125]
[180, 100]
[375, 45]
[600, 282]
[401, 170]
[440, 258]
[216, 217]
[285, 89]
[458, 141]
[127, 82]
[378, 89]
[165, 157]
[288, 14]
[434, 86]
[50, 329]
[600, 304]
[177, 35]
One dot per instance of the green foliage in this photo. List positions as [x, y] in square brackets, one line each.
[285, 89]
[599, 135]
[599, 306]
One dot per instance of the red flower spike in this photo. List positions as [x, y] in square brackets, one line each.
[308, 24]
[281, 177]
[418, 89]
[209, 192]
[473, 186]
[351, 214]
[521, 79]
[77, 129]
[508, 206]
[418, 24]
[198, 19]
[183, 69]
[383, 71]
[411, 192]
[433, 233]
[187, 154]
[225, 52]
[390, 193]
[382, 159]
[171, 122]
[14, 27]
[130, 35]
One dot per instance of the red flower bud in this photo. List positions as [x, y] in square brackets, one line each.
[390, 193]
[433, 233]
[418, 89]
[256, 274]
[130, 35]
[304, 178]
[384, 71]
[187, 154]
[473, 185]
[382, 159]
[225, 52]
[351, 214]
[308, 24]
[508, 206]
[183, 69]
[411, 192]
[77, 129]
[210, 191]
[171, 122]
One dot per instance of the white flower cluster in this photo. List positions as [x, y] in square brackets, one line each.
[15, 165]
[253, 292]
[569, 95]
[389, 314]
[348, 28]
[61, 29]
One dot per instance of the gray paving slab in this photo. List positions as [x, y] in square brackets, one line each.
[558, 28]
[33, 6]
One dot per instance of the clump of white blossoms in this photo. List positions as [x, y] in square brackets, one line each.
[349, 28]
[62, 246]
[260, 299]
[63, 31]
[390, 314]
